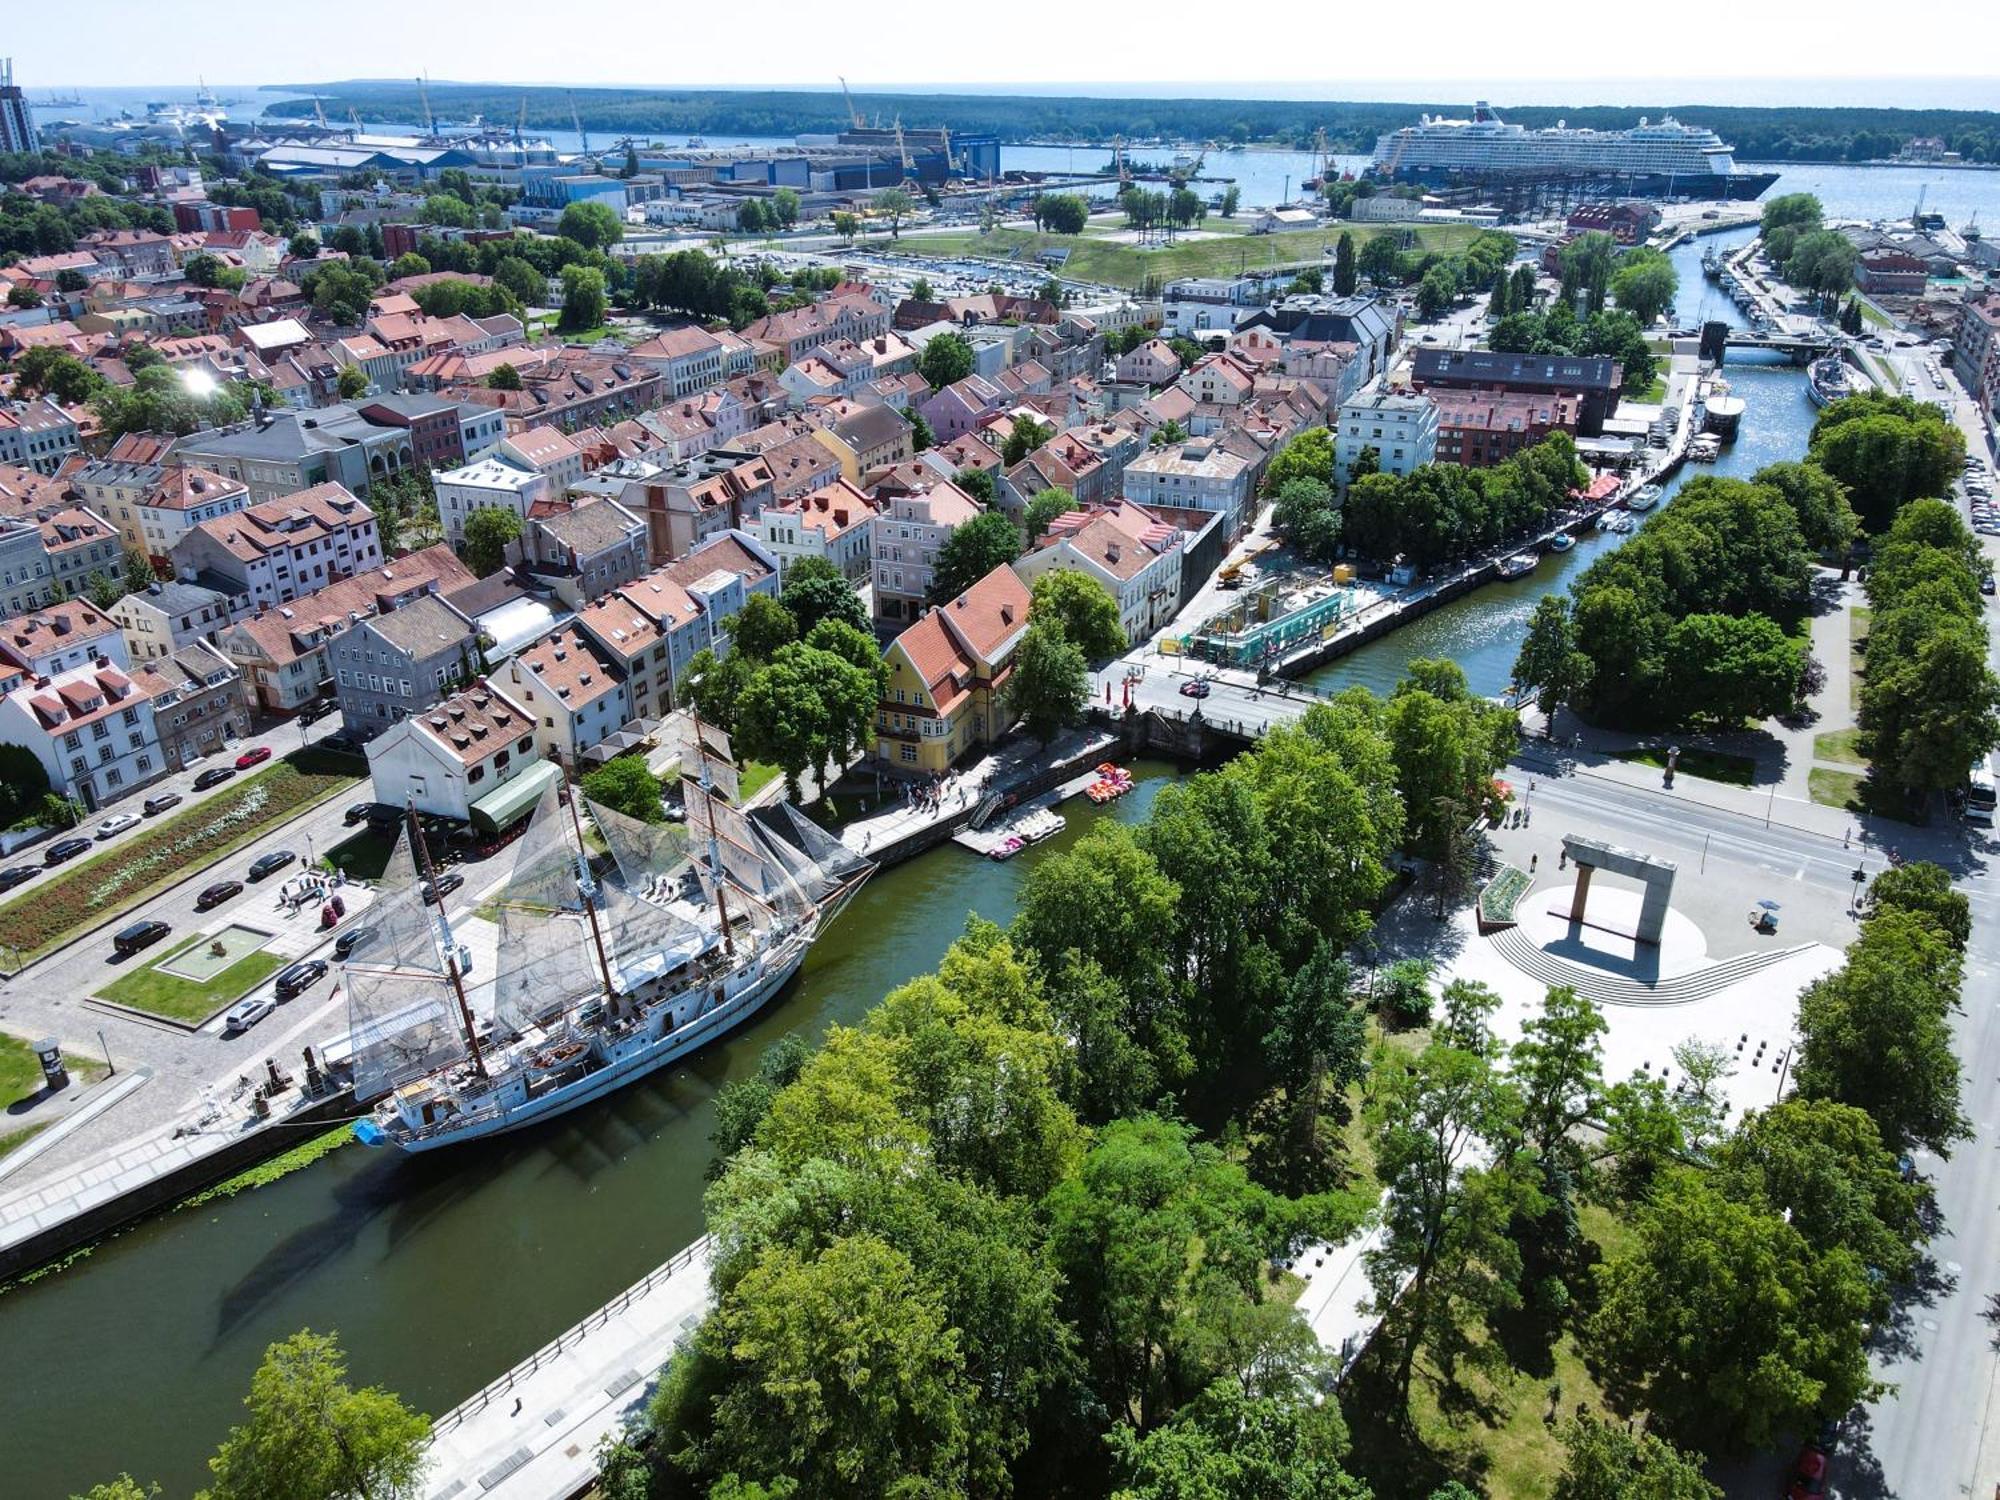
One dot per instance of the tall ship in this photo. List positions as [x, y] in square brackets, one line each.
[568, 983]
[1655, 158]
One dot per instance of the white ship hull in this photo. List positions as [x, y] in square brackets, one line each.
[614, 1075]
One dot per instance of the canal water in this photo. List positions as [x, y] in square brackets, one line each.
[439, 1271]
[1482, 631]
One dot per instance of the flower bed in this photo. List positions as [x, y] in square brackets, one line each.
[148, 862]
[1500, 896]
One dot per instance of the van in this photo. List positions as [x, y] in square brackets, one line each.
[137, 936]
[1979, 798]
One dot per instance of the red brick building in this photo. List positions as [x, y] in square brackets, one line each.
[1478, 429]
[1627, 223]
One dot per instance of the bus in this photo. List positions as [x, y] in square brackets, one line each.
[1979, 796]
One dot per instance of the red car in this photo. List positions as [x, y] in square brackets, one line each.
[256, 755]
[1808, 1478]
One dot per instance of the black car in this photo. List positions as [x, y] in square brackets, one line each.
[442, 885]
[351, 940]
[162, 802]
[67, 849]
[316, 710]
[357, 813]
[300, 977]
[213, 776]
[137, 936]
[341, 743]
[14, 875]
[270, 864]
[218, 893]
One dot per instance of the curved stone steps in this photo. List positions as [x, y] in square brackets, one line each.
[1612, 989]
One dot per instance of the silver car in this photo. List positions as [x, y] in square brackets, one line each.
[247, 1013]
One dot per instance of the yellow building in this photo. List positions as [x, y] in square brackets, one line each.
[946, 673]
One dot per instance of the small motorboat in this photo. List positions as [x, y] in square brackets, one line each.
[1562, 541]
[1520, 564]
[1644, 498]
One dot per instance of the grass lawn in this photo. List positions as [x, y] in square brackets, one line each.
[1654, 394]
[20, 1138]
[1857, 652]
[21, 1071]
[1093, 257]
[181, 999]
[1873, 315]
[169, 851]
[1837, 788]
[753, 778]
[1712, 765]
[1843, 745]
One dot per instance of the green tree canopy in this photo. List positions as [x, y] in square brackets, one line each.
[988, 541]
[1044, 508]
[947, 358]
[816, 590]
[1079, 607]
[488, 530]
[1050, 682]
[595, 226]
[625, 785]
[1602, 1461]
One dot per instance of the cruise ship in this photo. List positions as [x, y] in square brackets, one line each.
[1655, 158]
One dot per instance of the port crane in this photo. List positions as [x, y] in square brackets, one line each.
[1118, 162]
[424, 98]
[577, 120]
[521, 123]
[852, 113]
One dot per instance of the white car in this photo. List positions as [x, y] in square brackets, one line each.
[116, 823]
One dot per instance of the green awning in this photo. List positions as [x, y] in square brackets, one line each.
[500, 809]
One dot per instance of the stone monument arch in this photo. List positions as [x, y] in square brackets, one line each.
[1657, 875]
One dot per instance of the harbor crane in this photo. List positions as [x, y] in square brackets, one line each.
[424, 98]
[852, 113]
[1118, 163]
[521, 123]
[903, 151]
[577, 120]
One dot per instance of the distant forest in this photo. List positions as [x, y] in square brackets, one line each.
[1757, 134]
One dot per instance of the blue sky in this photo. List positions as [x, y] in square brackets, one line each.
[1440, 49]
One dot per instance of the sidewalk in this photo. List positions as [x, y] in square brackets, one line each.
[533, 1433]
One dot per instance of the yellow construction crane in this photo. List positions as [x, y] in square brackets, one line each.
[852, 113]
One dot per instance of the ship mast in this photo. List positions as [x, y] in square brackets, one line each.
[706, 783]
[450, 951]
[586, 887]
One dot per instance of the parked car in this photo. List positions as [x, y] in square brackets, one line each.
[316, 710]
[116, 824]
[137, 936]
[66, 849]
[270, 864]
[1986, 584]
[161, 803]
[256, 755]
[247, 1013]
[442, 885]
[352, 940]
[213, 776]
[218, 893]
[1194, 688]
[341, 742]
[300, 977]
[357, 812]
[14, 875]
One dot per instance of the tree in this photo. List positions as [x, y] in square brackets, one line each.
[1549, 662]
[1436, 292]
[846, 225]
[1925, 889]
[523, 282]
[1823, 263]
[202, 270]
[761, 627]
[1605, 1462]
[503, 378]
[625, 785]
[1229, 1445]
[742, 1104]
[1050, 682]
[1644, 284]
[988, 541]
[1307, 456]
[1043, 509]
[715, 685]
[584, 302]
[340, 293]
[1106, 900]
[124, 1487]
[978, 483]
[1232, 198]
[304, 245]
[1586, 263]
[1888, 451]
[58, 373]
[816, 590]
[311, 1436]
[1721, 1320]
[139, 574]
[352, 383]
[1080, 607]
[1381, 259]
[1826, 518]
[1306, 512]
[1557, 1065]
[895, 204]
[946, 358]
[158, 401]
[1318, 1038]
[1444, 1250]
[1027, 434]
[845, 1376]
[1729, 668]
[807, 708]
[593, 225]
[1344, 278]
[488, 530]
[1876, 1033]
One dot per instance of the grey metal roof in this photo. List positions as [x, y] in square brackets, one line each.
[422, 627]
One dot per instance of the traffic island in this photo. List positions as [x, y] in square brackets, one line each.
[192, 981]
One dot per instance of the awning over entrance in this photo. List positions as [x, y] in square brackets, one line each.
[500, 809]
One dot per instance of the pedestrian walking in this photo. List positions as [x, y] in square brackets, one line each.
[1533, 860]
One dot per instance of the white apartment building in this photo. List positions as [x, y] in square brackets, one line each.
[836, 522]
[470, 758]
[1200, 474]
[488, 484]
[573, 690]
[1401, 428]
[283, 549]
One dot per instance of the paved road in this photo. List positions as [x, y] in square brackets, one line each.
[278, 739]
